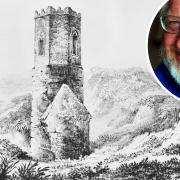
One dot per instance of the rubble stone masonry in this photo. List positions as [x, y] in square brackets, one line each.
[57, 61]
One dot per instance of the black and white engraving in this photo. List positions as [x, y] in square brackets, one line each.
[57, 107]
[110, 123]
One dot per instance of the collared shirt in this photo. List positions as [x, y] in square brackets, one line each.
[167, 80]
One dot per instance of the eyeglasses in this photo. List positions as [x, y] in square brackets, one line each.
[170, 24]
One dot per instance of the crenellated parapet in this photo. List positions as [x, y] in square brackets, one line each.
[51, 10]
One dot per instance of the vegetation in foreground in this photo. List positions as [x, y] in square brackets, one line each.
[12, 169]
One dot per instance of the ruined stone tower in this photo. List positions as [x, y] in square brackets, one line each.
[57, 63]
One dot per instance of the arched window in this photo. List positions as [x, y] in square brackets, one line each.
[41, 47]
[75, 37]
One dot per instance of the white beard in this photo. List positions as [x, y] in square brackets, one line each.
[173, 69]
[175, 73]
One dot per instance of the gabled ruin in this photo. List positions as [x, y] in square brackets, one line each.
[58, 114]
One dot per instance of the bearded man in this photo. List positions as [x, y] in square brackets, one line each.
[168, 72]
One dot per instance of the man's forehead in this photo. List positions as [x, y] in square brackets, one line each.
[174, 8]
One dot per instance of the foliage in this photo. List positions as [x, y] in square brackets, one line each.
[148, 170]
[75, 142]
[173, 149]
[10, 169]
[84, 173]
[11, 150]
[58, 177]
[74, 145]
[7, 165]
[31, 171]
[144, 169]
[17, 115]
[20, 119]
[87, 172]
[102, 140]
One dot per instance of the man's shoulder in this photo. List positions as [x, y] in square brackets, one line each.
[164, 76]
[161, 70]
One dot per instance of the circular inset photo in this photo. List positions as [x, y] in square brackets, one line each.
[164, 46]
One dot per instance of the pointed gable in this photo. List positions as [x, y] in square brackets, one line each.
[65, 106]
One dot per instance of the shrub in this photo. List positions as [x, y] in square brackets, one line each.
[7, 165]
[75, 143]
[173, 149]
[31, 171]
[58, 177]
[148, 170]
[144, 169]
[102, 140]
[84, 173]
[11, 150]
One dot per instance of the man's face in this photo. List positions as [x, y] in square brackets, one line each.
[171, 42]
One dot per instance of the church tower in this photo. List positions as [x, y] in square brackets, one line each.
[57, 51]
[57, 61]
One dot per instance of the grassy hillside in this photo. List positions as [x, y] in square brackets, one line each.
[133, 119]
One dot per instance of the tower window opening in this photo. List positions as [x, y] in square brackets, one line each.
[75, 44]
[41, 47]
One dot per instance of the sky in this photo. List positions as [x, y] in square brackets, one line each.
[114, 32]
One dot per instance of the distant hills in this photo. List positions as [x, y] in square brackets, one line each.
[124, 104]
[128, 103]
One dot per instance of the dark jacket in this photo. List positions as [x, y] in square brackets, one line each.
[167, 80]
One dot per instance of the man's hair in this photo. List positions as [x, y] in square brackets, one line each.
[165, 8]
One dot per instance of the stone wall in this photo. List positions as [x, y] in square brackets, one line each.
[67, 122]
[48, 80]
[56, 29]
[62, 28]
[55, 64]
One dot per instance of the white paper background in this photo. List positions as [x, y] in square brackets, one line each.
[114, 32]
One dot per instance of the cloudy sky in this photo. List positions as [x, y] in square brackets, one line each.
[114, 32]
